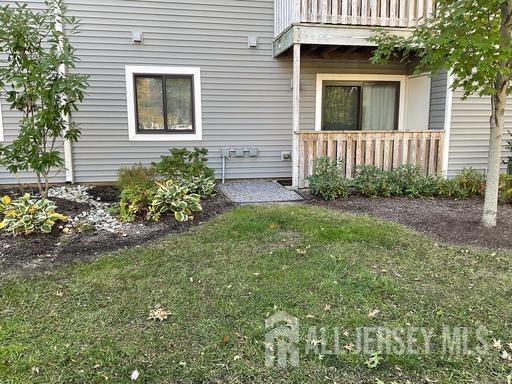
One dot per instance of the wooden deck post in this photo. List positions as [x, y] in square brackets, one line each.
[296, 117]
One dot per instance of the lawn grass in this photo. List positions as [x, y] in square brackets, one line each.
[88, 323]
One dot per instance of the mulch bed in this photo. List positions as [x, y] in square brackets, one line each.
[40, 252]
[447, 220]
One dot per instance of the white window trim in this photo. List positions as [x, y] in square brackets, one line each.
[321, 77]
[132, 70]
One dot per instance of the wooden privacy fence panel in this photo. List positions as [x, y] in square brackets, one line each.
[384, 13]
[386, 150]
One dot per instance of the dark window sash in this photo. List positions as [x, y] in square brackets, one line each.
[361, 85]
[166, 129]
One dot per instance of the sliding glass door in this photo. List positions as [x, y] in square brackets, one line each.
[367, 106]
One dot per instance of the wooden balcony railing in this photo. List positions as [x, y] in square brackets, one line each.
[384, 13]
[386, 150]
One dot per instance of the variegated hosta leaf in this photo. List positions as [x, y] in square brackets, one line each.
[26, 215]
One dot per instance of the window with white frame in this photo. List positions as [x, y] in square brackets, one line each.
[164, 103]
[359, 102]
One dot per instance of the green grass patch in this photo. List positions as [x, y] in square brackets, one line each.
[88, 323]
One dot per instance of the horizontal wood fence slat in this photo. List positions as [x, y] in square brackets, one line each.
[384, 149]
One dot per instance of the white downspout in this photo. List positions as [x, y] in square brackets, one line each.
[447, 122]
[68, 147]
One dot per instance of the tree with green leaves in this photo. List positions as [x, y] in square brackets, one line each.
[36, 53]
[473, 40]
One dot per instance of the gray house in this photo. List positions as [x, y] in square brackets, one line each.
[266, 85]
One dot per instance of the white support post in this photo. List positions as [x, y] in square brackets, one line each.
[447, 123]
[296, 114]
[68, 147]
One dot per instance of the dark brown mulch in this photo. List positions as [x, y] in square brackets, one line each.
[44, 252]
[447, 220]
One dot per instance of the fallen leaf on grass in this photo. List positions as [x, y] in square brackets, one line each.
[158, 313]
[496, 344]
[373, 313]
[302, 252]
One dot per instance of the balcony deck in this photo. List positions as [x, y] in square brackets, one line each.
[343, 22]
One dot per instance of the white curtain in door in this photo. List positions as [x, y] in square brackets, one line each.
[379, 107]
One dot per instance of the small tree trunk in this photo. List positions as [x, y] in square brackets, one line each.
[493, 169]
[40, 184]
[498, 121]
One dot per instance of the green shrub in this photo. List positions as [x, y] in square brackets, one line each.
[26, 215]
[369, 180]
[328, 181]
[471, 182]
[468, 183]
[411, 181]
[175, 198]
[134, 203]
[508, 162]
[406, 180]
[152, 203]
[506, 188]
[136, 176]
[183, 163]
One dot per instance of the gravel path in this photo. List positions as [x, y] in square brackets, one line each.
[258, 192]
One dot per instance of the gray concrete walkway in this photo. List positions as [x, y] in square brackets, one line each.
[258, 191]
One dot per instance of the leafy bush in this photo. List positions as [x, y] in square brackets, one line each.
[409, 180]
[172, 197]
[406, 180]
[134, 202]
[508, 162]
[328, 181]
[369, 180]
[183, 163]
[506, 188]
[469, 183]
[152, 203]
[137, 176]
[26, 215]
[203, 185]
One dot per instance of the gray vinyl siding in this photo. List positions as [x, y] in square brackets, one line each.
[437, 115]
[246, 95]
[469, 134]
[10, 120]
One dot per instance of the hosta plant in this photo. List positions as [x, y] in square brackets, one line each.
[175, 198]
[203, 185]
[27, 215]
